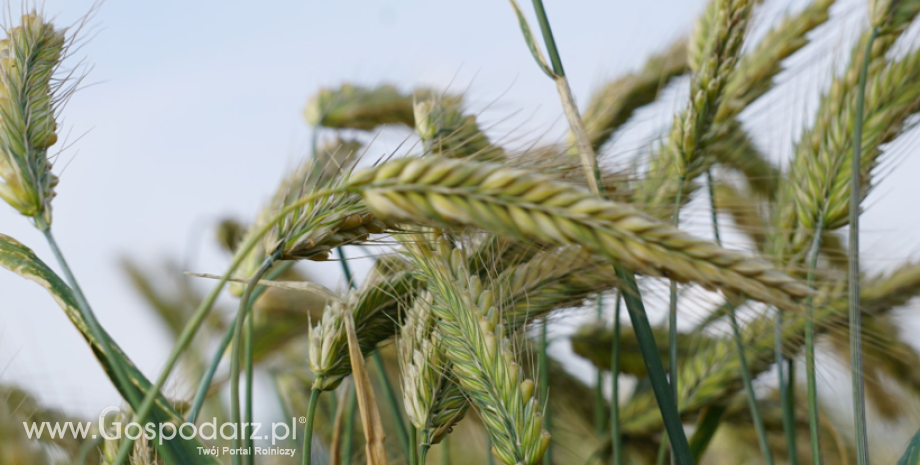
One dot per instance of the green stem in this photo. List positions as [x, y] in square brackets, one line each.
[95, 328]
[308, 430]
[248, 413]
[188, 333]
[235, 415]
[426, 445]
[543, 364]
[739, 344]
[652, 358]
[205, 384]
[751, 395]
[413, 445]
[662, 450]
[789, 413]
[548, 38]
[859, 394]
[811, 378]
[786, 390]
[600, 409]
[445, 451]
[616, 437]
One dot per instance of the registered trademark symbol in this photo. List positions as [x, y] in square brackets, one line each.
[303, 420]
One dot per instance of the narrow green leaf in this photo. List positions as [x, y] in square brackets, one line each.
[19, 259]
[531, 41]
[912, 454]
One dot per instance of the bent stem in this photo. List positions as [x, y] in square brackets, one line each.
[191, 328]
[241, 318]
[859, 394]
[90, 317]
[308, 430]
[205, 384]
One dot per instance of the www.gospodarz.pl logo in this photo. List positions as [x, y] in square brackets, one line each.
[160, 432]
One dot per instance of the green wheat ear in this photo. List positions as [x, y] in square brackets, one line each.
[28, 58]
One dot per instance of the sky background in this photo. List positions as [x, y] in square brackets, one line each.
[193, 113]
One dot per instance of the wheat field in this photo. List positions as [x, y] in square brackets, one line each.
[707, 281]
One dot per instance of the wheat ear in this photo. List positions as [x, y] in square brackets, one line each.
[530, 206]
[445, 129]
[356, 107]
[481, 358]
[29, 99]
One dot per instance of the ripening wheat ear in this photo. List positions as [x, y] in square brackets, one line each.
[529, 206]
[28, 58]
[444, 129]
[376, 312]
[434, 402]
[474, 341]
[355, 107]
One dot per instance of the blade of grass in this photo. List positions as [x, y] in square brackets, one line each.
[859, 394]
[706, 427]
[660, 386]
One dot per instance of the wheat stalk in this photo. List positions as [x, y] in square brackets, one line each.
[530, 206]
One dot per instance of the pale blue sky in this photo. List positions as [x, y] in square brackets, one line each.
[195, 114]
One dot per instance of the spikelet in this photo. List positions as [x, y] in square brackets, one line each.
[28, 58]
[375, 311]
[720, 55]
[484, 365]
[433, 400]
[355, 107]
[821, 169]
[445, 130]
[528, 206]
[756, 70]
